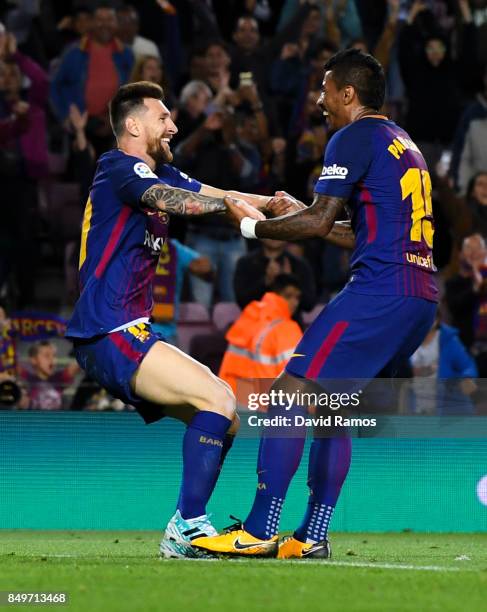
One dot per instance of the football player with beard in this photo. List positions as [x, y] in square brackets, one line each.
[125, 223]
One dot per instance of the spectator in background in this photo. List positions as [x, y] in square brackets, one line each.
[8, 346]
[339, 19]
[466, 298]
[247, 98]
[46, 384]
[311, 33]
[443, 372]
[82, 151]
[217, 66]
[174, 261]
[10, 129]
[312, 138]
[294, 75]
[252, 55]
[128, 32]
[90, 74]
[197, 69]
[22, 18]
[9, 365]
[426, 66]
[192, 109]
[149, 68]
[263, 338]
[464, 214]
[226, 150]
[479, 17]
[383, 47]
[70, 29]
[211, 155]
[469, 153]
[23, 161]
[15, 123]
[262, 11]
[248, 141]
[16, 69]
[81, 167]
[256, 272]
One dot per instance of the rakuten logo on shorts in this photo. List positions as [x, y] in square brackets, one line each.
[333, 172]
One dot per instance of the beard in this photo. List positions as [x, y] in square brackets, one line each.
[159, 151]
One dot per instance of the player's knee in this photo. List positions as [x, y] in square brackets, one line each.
[221, 400]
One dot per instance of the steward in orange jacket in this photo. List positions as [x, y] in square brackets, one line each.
[263, 338]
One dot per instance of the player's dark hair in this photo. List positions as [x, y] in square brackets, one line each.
[36, 347]
[130, 98]
[285, 280]
[363, 72]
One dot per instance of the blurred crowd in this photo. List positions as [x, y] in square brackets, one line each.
[241, 78]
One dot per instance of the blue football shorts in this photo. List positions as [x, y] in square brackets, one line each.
[112, 359]
[356, 336]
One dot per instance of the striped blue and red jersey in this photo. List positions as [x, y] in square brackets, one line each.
[120, 244]
[375, 165]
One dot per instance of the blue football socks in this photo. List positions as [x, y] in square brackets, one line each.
[329, 462]
[228, 441]
[278, 460]
[202, 452]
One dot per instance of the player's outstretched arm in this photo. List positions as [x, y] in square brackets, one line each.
[316, 221]
[178, 201]
[341, 234]
[257, 201]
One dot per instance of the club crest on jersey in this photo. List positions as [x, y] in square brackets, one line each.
[143, 170]
[154, 243]
[333, 172]
[139, 332]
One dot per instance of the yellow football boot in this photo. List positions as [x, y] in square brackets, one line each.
[290, 548]
[235, 541]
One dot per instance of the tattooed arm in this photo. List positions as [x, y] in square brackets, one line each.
[177, 201]
[340, 234]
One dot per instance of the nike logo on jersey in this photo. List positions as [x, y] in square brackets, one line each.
[333, 172]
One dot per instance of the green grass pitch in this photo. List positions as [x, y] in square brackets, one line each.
[370, 572]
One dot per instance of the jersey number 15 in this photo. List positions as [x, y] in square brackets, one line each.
[417, 184]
